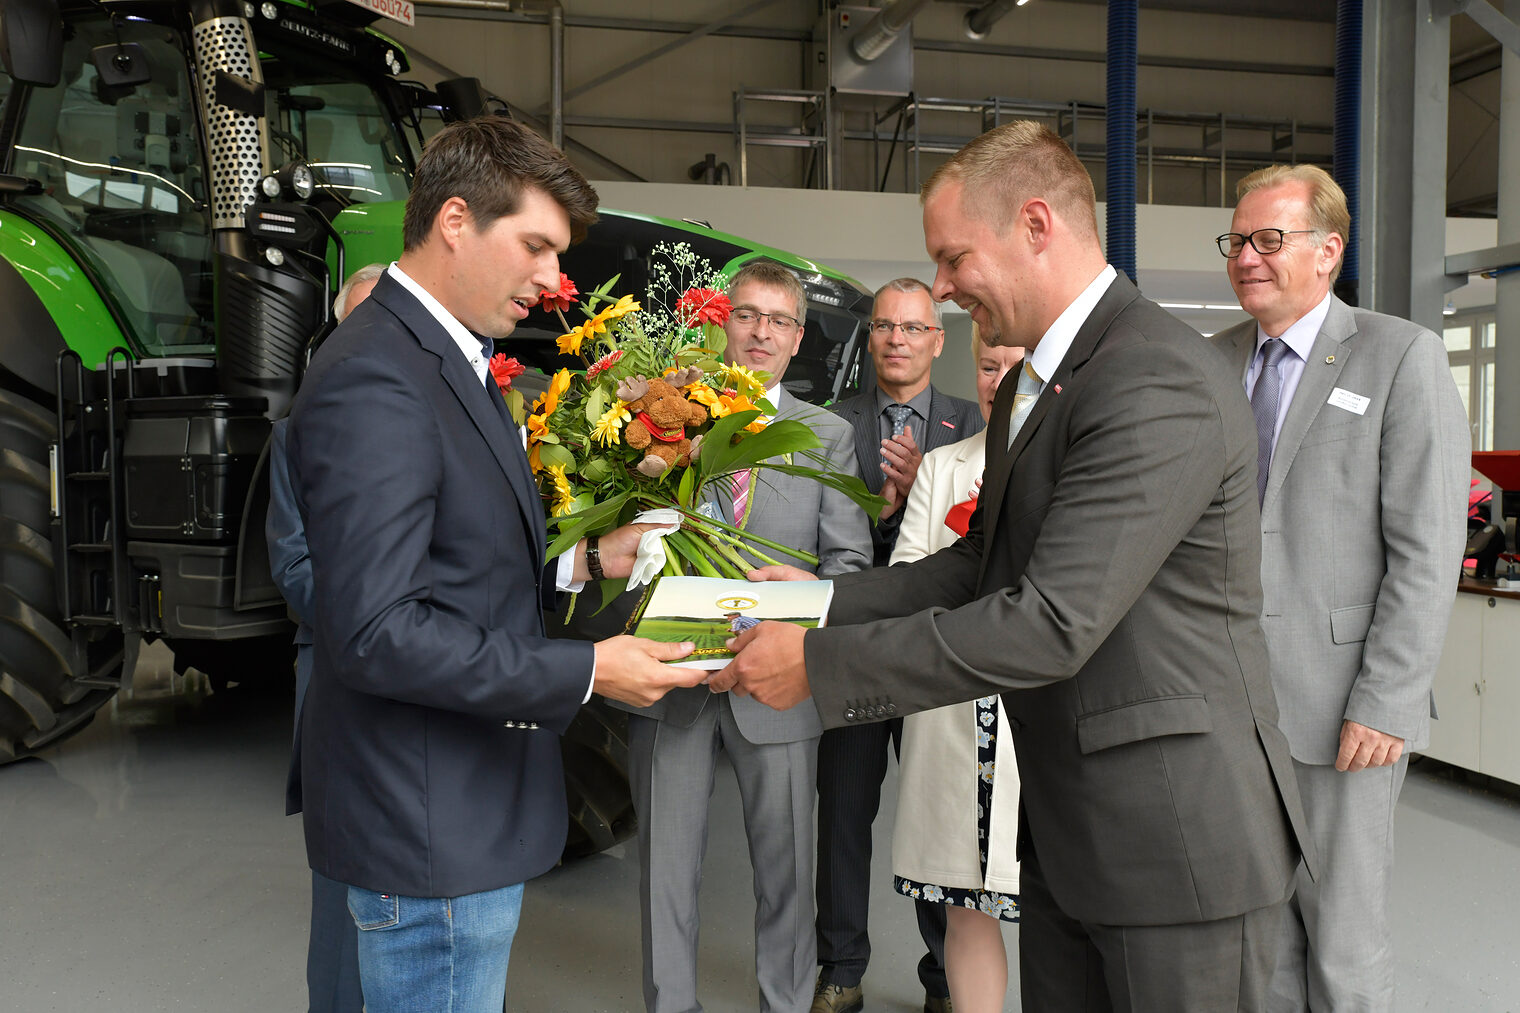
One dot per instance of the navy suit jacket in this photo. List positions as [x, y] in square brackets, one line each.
[427, 544]
[951, 419]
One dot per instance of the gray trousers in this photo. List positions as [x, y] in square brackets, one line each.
[1336, 952]
[672, 771]
[1070, 966]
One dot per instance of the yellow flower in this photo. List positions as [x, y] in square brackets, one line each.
[610, 425]
[563, 500]
[702, 394]
[622, 306]
[742, 378]
[728, 404]
[545, 405]
[570, 344]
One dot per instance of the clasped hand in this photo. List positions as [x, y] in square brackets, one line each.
[768, 663]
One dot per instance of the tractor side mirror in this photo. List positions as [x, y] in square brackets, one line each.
[121, 64]
[31, 42]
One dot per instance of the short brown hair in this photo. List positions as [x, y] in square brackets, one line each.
[1327, 201]
[1013, 163]
[768, 272]
[488, 162]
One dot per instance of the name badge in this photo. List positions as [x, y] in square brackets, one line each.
[1353, 403]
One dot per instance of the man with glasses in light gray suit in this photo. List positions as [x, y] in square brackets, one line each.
[1363, 461]
[673, 745]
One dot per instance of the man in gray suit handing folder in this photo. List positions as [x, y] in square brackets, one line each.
[673, 745]
[1110, 584]
[1363, 457]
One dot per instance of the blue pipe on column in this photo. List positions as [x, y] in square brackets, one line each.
[1348, 134]
[1123, 29]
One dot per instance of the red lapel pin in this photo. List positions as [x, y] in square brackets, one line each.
[1058, 388]
[947, 423]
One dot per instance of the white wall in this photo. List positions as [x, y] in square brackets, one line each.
[875, 237]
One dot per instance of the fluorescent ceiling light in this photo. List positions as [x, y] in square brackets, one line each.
[1180, 305]
[1232, 307]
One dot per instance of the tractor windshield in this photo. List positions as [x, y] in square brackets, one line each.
[338, 124]
[123, 181]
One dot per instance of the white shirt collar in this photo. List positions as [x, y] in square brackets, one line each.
[469, 345]
[1052, 348]
[1301, 333]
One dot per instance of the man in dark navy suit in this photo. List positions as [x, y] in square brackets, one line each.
[896, 422]
[430, 764]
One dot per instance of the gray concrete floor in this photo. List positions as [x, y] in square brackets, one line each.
[145, 865]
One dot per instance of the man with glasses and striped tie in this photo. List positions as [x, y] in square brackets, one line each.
[673, 746]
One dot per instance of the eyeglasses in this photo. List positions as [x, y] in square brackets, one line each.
[883, 329]
[1263, 241]
[780, 322]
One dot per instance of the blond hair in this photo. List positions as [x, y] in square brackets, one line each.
[1014, 163]
[1327, 201]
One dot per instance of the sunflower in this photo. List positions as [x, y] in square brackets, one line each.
[562, 500]
[623, 306]
[742, 378]
[610, 425]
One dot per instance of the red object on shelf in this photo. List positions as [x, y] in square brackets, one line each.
[1502, 467]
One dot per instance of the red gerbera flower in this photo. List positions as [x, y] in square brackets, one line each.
[603, 364]
[703, 306]
[562, 299]
[505, 369]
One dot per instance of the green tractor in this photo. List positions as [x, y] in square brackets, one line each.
[182, 188]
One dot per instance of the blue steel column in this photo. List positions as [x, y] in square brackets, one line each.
[1348, 136]
[1120, 194]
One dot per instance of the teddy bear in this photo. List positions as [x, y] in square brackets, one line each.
[661, 414]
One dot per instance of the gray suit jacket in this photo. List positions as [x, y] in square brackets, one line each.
[1111, 577]
[804, 514]
[1363, 526]
[951, 419]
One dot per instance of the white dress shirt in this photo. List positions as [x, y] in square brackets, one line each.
[473, 349]
[1299, 338]
[1047, 355]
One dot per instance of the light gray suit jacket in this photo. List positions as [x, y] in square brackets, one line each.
[1363, 526]
[805, 515]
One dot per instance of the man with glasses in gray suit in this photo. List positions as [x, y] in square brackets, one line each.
[1363, 462]
[673, 745]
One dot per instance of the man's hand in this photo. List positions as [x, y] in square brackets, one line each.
[780, 571]
[630, 670]
[894, 499]
[1363, 747]
[902, 458]
[618, 549]
[769, 666]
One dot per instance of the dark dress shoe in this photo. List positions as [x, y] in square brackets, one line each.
[831, 998]
[937, 1004]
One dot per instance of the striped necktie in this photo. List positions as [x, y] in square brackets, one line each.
[740, 496]
[1024, 397]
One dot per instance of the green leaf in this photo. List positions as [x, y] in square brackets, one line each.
[549, 454]
[688, 486]
[716, 338]
[595, 519]
[596, 470]
[597, 404]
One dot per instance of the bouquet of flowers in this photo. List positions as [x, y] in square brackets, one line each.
[656, 417]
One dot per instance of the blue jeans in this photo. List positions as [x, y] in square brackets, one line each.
[435, 954]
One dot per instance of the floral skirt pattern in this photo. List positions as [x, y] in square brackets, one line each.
[1003, 906]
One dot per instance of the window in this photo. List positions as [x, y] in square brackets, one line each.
[1469, 341]
[124, 183]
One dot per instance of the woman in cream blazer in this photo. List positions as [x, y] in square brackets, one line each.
[945, 846]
